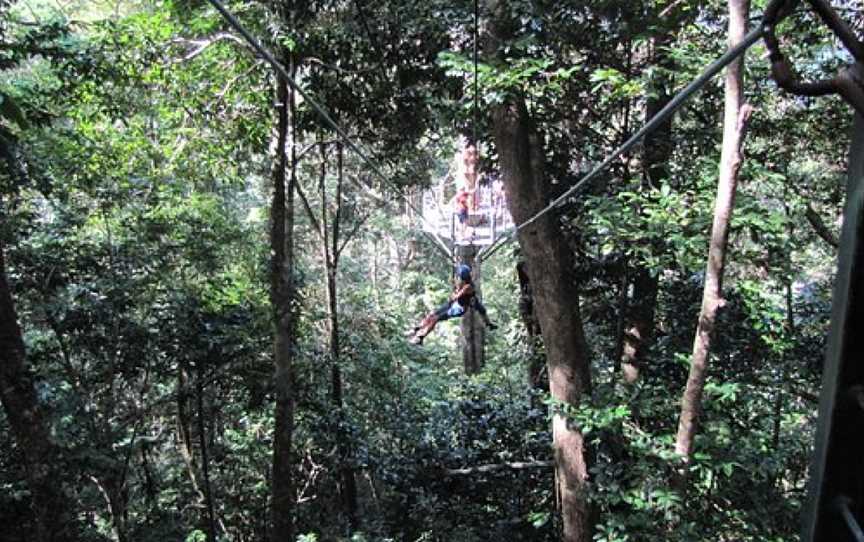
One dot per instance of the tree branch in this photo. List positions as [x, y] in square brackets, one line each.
[309, 212]
[202, 44]
[517, 465]
[357, 225]
[318, 61]
[820, 228]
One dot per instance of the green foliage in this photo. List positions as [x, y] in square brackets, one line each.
[135, 184]
[536, 77]
[659, 228]
[196, 536]
[9, 111]
[615, 84]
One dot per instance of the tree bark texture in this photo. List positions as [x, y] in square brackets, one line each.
[822, 230]
[640, 310]
[556, 294]
[535, 373]
[556, 298]
[473, 330]
[734, 127]
[282, 297]
[836, 480]
[52, 510]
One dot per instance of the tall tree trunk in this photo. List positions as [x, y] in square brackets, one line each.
[790, 332]
[52, 510]
[473, 330]
[282, 297]
[734, 125]
[640, 309]
[639, 322]
[556, 296]
[149, 483]
[330, 253]
[556, 293]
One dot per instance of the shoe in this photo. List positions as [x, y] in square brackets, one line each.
[490, 326]
[413, 331]
[416, 340]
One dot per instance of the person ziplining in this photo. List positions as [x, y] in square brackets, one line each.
[463, 298]
[472, 216]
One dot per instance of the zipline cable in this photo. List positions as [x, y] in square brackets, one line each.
[328, 120]
[676, 103]
[288, 79]
[475, 109]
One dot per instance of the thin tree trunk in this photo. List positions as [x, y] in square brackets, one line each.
[149, 483]
[118, 500]
[734, 125]
[621, 321]
[536, 362]
[330, 254]
[639, 317]
[27, 418]
[205, 464]
[473, 333]
[790, 332]
[556, 293]
[184, 429]
[111, 493]
[282, 297]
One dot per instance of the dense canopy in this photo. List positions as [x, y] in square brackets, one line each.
[205, 289]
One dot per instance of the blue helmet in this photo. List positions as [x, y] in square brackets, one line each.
[464, 272]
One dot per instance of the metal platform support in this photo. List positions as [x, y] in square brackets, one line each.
[836, 495]
[487, 218]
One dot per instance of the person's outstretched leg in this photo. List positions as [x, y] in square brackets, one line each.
[426, 327]
[484, 315]
[428, 323]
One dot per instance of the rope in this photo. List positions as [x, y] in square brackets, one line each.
[328, 120]
[674, 105]
[476, 86]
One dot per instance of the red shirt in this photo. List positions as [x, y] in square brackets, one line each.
[462, 200]
[463, 294]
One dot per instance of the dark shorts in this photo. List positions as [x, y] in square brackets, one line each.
[462, 215]
[449, 310]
